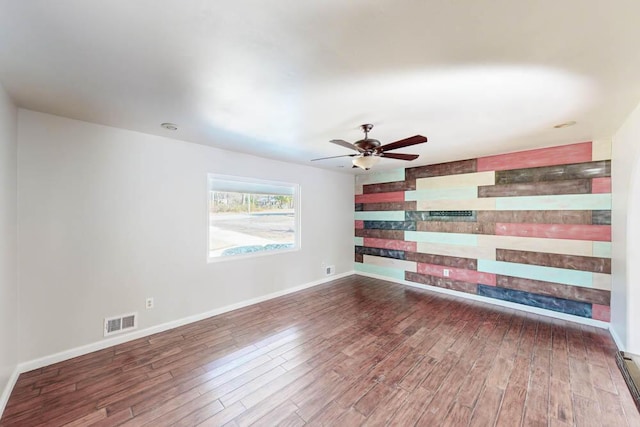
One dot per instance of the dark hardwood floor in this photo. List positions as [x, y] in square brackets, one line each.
[355, 351]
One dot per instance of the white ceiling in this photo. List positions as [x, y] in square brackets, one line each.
[280, 78]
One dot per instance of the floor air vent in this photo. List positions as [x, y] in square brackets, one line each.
[630, 369]
[118, 324]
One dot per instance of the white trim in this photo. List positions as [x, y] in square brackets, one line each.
[616, 338]
[513, 305]
[99, 345]
[4, 398]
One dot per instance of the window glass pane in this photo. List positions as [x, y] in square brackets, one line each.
[251, 217]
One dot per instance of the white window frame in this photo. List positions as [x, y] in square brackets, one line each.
[248, 182]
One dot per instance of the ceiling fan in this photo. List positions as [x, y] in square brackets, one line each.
[370, 150]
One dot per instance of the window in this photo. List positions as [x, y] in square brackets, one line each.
[251, 217]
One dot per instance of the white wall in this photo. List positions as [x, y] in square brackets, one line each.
[8, 243]
[625, 295]
[108, 217]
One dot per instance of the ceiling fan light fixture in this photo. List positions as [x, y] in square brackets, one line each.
[366, 162]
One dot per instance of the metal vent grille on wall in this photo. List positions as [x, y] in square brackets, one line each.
[119, 324]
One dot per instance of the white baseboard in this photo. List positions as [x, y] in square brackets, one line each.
[4, 398]
[493, 301]
[616, 338]
[99, 345]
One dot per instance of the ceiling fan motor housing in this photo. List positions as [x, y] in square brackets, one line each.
[367, 144]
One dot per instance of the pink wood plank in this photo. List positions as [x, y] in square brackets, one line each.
[395, 196]
[400, 245]
[601, 185]
[601, 233]
[469, 276]
[601, 312]
[565, 154]
[359, 224]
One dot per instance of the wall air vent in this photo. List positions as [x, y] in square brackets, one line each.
[119, 324]
[450, 213]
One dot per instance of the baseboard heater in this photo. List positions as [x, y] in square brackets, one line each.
[628, 364]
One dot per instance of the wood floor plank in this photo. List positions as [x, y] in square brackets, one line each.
[356, 351]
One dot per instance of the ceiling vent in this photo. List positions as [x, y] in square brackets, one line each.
[119, 324]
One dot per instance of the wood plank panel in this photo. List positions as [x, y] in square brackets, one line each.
[397, 196]
[390, 244]
[469, 276]
[599, 233]
[457, 181]
[381, 177]
[536, 244]
[442, 169]
[559, 155]
[389, 187]
[350, 352]
[380, 234]
[388, 253]
[573, 262]
[573, 186]
[390, 263]
[456, 227]
[561, 202]
[601, 185]
[599, 169]
[441, 282]
[390, 206]
[449, 261]
[601, 149]
[536, 217]
[456, 205]
[463, 251]
[558, 290]
[601, 312]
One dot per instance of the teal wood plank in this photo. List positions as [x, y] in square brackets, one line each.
[557, 202]
[394, 273]
[436, 237]
[358, 241]
[462, 193]
[380, 177]
[536, 272]
[602, 249]
[379, 215]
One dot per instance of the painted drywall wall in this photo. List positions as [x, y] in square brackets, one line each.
[8, 241]
[532, 228]
[108, 217]
[625, 292]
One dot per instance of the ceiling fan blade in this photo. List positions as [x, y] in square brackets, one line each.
[335, 157]
[345, 144]
[399, 156]
[412, 140]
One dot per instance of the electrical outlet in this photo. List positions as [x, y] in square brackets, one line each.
[149, 303]
[445, 272]
[329, 270]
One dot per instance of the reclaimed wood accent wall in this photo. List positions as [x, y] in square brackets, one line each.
[531, 227]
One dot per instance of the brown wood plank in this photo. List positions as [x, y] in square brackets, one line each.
[390, 206]
[387, 187]
[570, 186]
[572, 262]
[441, 169]
[380, 234]
[599, 169]
[441, 282]
[449, 261]
[536, 217]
